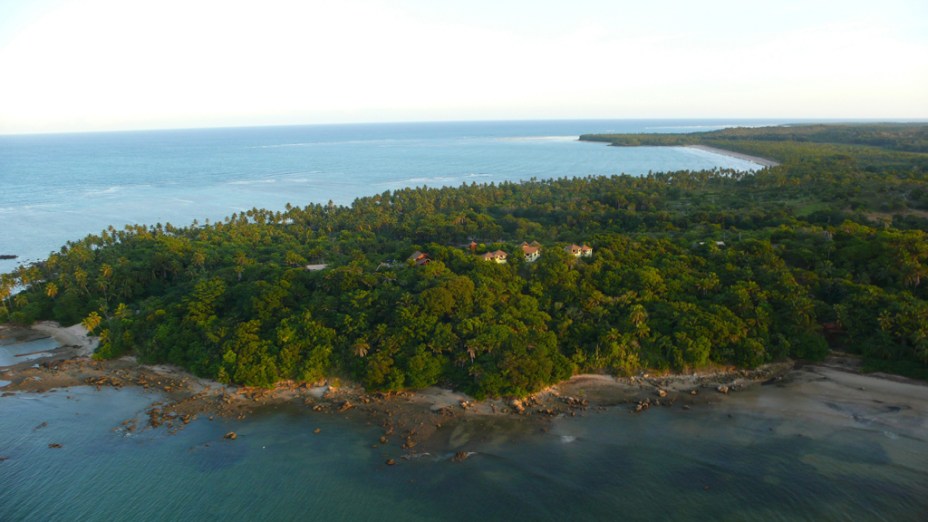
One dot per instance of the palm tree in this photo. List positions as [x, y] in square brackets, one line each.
[361, 348]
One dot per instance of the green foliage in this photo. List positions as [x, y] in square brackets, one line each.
[689, 269]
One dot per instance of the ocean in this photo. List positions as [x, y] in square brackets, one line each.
[61, 187]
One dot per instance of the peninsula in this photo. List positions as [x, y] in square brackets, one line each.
[669, 272]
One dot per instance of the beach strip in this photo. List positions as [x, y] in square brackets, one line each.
[746, 157]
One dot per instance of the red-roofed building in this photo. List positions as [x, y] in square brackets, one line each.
[532, 252]
[420, 258]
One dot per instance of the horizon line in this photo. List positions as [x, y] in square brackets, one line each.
[778, 120]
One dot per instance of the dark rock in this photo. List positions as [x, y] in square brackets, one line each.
[460, 456]
[54, 445]
[391, 462]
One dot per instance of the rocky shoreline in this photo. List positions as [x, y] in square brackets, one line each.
[409, 419]
[432, 420]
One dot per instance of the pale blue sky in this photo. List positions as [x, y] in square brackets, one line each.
[72, 65]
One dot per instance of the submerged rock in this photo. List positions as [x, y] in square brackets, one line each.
[231, 435]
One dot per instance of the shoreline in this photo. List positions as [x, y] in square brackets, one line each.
[764, 162]
[832, 392]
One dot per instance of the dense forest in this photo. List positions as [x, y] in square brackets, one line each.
[685, 270]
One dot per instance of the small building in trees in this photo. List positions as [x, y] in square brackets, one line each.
[532, 251]
[498, 257]
[419, 258]
[579, 251]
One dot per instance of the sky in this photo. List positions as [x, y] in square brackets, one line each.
[91, 65]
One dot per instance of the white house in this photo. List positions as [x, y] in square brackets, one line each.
[532, 252]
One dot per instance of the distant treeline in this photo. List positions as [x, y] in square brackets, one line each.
[688, 269]
[906, 137]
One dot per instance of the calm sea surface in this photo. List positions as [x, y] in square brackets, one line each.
[62, 187]
[720, 462]
[717, 462]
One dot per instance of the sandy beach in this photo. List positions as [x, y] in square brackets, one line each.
[755, 159]
[833, 393]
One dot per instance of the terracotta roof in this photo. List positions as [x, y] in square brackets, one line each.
[420, 258]
[499, 254]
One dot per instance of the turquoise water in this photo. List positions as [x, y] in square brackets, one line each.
[712, 462]
[62, 187]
